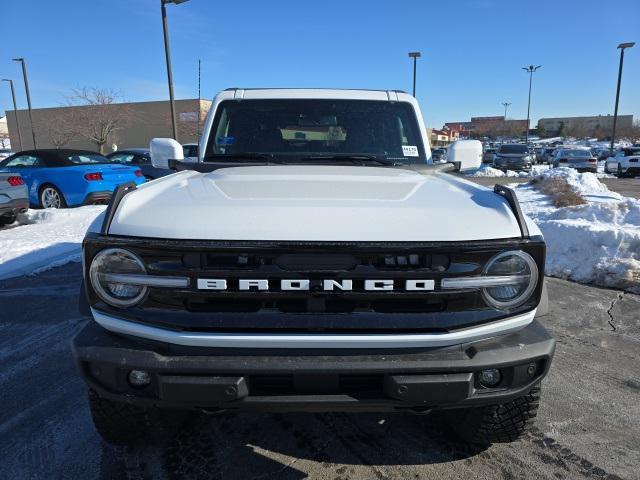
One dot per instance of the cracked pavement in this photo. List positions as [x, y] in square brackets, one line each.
[588, 425]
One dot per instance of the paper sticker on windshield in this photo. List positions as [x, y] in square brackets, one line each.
[410, 151]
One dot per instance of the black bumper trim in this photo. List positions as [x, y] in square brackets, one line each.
[435, 378]
[95, 197]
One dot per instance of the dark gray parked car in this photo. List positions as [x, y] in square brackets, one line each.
[513, 156]
[141, 158]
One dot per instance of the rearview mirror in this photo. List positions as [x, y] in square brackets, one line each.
[466, 153]
[163, 151]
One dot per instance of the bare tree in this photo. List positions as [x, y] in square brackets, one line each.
[61, 129]
[100, 119]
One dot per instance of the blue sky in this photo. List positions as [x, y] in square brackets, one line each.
[473, 50]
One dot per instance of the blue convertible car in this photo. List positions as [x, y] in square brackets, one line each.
[68, 178]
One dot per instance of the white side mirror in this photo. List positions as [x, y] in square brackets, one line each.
[468, 153]
[163, 150]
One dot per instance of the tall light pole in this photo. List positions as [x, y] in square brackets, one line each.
[415, 56]
[530, 69]
[622, 48]
[15, 110]
[26, 88]
[506, 105]
[167, 54]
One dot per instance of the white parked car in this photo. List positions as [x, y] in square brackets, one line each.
[625, 162]
[315, 259]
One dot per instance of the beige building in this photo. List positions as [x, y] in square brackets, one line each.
[125, 125]
[588, 124]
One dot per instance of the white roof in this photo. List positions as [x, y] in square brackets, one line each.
[315, 93]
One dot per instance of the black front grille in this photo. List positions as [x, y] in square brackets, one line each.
[316, 310]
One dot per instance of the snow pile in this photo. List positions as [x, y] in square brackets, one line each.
[487, 171]
[49, 238]
[598, 242]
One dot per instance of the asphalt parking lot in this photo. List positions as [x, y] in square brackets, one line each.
[588, 425]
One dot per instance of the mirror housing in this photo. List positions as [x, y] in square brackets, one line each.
[163, 151]
[465, 153]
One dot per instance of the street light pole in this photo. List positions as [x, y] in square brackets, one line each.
[15, 110]
[26, 88]
[531, 69]
[167, 54]
[415, 56]
[506, 105]
[622, 48]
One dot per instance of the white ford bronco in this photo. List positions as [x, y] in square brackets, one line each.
[313, 259]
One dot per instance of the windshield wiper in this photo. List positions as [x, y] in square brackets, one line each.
[362, 159]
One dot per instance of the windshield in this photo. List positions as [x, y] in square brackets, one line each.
[514, 149]
[576, 153]
[84, 158]
[298, 130]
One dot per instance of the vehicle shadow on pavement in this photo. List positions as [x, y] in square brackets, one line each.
[280, 445]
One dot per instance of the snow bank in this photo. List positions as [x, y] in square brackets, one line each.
[598, 242]
[47, 239]
[487, 171]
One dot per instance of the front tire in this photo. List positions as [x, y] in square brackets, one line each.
[8, 219]
[51, 197]
[501, 423]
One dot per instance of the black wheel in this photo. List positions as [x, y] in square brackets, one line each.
[496, 423]
[125, 424]
[51, 197]
[7, 219]
[620, 174]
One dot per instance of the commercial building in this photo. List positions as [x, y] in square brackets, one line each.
[488, 126]
[586, 125]
[123, 125]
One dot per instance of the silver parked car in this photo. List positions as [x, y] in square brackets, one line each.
[513, 156]
[580, 159]
[14, 197]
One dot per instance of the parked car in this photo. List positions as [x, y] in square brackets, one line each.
[513, 156]
[580, 159]
[14, 197]
[489, 155]
[625, 162]
[439, 155]
[4, 153]
[190, 152]
[320, 273]
[141, 158]
[67, 178]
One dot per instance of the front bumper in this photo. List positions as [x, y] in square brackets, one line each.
[632, 171]
[312, 380]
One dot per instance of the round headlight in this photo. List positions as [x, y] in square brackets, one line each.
[516, 277]
[104, 271]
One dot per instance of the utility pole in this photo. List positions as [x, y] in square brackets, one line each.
[531, 69]
[415, 56]
[15, 110]
[622, 48]
[199, 100]
[167, 55]
[26, 88]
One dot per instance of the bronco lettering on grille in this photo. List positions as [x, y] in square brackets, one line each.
[326, 285]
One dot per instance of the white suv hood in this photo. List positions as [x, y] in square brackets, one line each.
[314, 203]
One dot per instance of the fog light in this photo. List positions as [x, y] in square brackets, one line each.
[139, 378]
[531, 369]
[490, 377]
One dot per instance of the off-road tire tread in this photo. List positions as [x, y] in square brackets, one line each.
[501, 423]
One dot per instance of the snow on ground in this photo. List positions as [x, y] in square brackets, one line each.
[47, 239]
[487, 171]
[595, 243]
